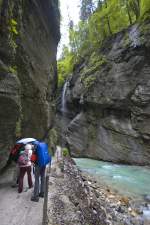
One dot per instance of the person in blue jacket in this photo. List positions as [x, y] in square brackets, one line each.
[40, 151]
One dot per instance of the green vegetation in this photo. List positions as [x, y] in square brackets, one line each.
[12, 69]
[12, 44]
[65, 152]
[13, 34]
[99, 19]
[53, 137]
[18, 128]
[145, 9]
[95, 63]
[65, 66]
[13, 26]
[88, 82]
[96, 58]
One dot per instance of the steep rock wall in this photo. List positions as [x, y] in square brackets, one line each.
[29, 34]
[112, 88]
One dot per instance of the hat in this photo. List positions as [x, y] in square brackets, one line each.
[28, 147]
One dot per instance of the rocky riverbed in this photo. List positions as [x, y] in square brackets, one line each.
[76, 198]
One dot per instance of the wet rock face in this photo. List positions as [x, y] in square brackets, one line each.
[114, 93]
[29, 35]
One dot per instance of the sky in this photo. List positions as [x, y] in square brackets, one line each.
[69, 10]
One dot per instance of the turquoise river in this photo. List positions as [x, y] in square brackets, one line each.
[133, 181]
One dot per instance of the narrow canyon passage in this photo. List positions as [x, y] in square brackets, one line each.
[18, 209]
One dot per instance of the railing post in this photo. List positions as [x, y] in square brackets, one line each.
[45, 216]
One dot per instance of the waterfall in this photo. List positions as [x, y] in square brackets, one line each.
[63, 123]
[134, 36]
[63, 98]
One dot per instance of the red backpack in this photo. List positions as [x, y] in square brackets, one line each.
[34, 157]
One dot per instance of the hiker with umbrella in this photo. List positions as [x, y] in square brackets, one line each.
[24, 164]
[13, 157]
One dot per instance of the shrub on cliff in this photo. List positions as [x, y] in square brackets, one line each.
[64, 66]
[65, 152]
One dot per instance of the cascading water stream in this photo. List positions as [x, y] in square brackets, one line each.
[64, 114]
[134, 36]
[63, 99]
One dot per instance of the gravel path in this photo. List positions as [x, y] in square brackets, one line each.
[18, 209]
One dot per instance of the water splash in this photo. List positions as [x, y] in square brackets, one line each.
[134, 36]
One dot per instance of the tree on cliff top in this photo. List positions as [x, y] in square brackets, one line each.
[98, 20]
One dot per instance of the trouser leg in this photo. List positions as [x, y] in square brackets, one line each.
[36, 184]
[18, 172]
[21, 176]
[29, 176]
[42, 174]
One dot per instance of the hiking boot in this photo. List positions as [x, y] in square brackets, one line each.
[31, 187]
[41, 195]
[34, 199]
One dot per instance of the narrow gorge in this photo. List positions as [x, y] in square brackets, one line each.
[91, 101]
[108, 100]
